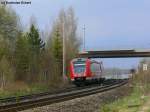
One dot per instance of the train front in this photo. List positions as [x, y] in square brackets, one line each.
[78, 70]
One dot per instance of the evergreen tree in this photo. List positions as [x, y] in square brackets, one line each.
[35, 42]
[67, 25]
[57, 46]
[57, 53]
[36, 45]
[22, 58]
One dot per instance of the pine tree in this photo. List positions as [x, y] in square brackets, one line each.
[57, 54]
[67, 25]
[22, 58]
[36, 43]
[57, 46]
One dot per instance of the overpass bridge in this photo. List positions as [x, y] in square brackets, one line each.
[115, 53]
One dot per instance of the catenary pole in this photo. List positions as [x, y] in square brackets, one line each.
[84, 37]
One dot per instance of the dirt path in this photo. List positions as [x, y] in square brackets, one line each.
[146, 106]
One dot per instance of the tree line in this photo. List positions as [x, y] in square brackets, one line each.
[26, 57]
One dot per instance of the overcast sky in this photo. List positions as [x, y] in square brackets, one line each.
[110, 24]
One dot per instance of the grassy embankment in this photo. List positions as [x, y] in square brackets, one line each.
[134, 102]
[21, 88]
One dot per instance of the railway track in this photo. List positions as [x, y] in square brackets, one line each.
[35, 100]
[3, 101]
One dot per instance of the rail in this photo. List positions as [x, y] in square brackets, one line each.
[58, 97]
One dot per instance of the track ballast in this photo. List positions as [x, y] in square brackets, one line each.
[35, 100]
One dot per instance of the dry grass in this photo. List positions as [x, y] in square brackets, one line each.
[17, 86]
[142, 80]
[140, 83]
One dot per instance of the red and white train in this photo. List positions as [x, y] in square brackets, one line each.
[85, 71]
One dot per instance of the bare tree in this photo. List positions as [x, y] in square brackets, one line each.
[67, 25]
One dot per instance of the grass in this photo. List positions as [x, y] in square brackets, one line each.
[138, 98]
[130, 103]
[20, 88]
[23, 90]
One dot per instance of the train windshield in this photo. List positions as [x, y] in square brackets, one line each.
[79, 67]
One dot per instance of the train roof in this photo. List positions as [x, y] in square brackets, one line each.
[84, 59]
[79, 59]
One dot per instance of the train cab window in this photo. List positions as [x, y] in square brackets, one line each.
[79, 67]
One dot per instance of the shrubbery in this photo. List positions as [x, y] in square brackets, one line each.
[26, 57]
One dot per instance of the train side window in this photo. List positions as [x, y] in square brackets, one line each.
[92, 67]
[99, 67]
[95, 67]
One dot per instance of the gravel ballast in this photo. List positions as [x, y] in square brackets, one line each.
[89, 103]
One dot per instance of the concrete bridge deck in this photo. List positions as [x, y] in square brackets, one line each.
[114, 54]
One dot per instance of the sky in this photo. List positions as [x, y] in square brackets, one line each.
[110, 24]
